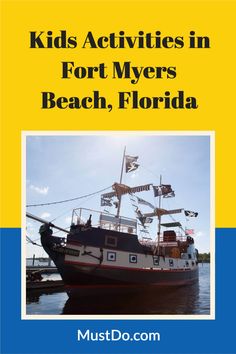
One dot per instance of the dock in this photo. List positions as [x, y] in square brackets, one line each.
[45, 285]
[41, 269]
[35, 269]
[44, 265]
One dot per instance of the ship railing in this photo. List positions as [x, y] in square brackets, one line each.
[164, 242]
[147, 241]
[104, 220]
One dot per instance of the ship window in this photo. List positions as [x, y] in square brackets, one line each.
[171, 262]
[111, 256]
[110, 241]
[189, 256]
[187, 264]
[133, 258]
[156, 260]
[193, 263]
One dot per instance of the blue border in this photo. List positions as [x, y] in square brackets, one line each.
[55, 336]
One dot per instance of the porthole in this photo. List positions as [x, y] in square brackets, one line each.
[111, 256]
[156, 260]
[133, 258]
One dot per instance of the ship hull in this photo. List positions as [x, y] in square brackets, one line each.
[98, 271]
[74, 274]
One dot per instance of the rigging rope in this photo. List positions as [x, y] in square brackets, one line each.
[68, 200]
[28, 239]
[64, 213]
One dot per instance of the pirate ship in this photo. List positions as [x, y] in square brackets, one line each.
[106, 248]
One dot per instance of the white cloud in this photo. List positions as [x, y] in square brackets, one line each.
[40, 190]
[45, 215]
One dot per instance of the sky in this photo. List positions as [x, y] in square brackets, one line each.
[60, 167]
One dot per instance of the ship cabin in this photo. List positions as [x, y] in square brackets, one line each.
[104, 230]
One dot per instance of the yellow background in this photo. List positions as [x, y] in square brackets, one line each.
[208, 74]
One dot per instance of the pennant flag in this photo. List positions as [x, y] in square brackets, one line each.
[169, 195]
[163, 189]
[144, 231]
[138, 212]
[172, 224]
[148, 220]
[116, 204]
[173, 211]
[109, 195]
[144, 202]
[189, 231]
[143, 219]
[145, 187]
[131, 163]
[190, 214]
[105, 202]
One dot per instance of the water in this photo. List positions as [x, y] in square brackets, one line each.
[194, 299]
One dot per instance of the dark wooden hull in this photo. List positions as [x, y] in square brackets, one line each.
[77, 273]
[74, 274]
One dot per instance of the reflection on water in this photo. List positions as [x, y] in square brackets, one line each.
[148, 300]
[193, 299]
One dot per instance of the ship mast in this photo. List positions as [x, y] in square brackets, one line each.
[121, 176]
[159, 222]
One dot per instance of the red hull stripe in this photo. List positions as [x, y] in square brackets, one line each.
[128, 286]
[109, 286]
[181, 270]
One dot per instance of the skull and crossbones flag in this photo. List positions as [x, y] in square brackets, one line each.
[190, 214]
[131, 163]
[163, 189]
[105, 202]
